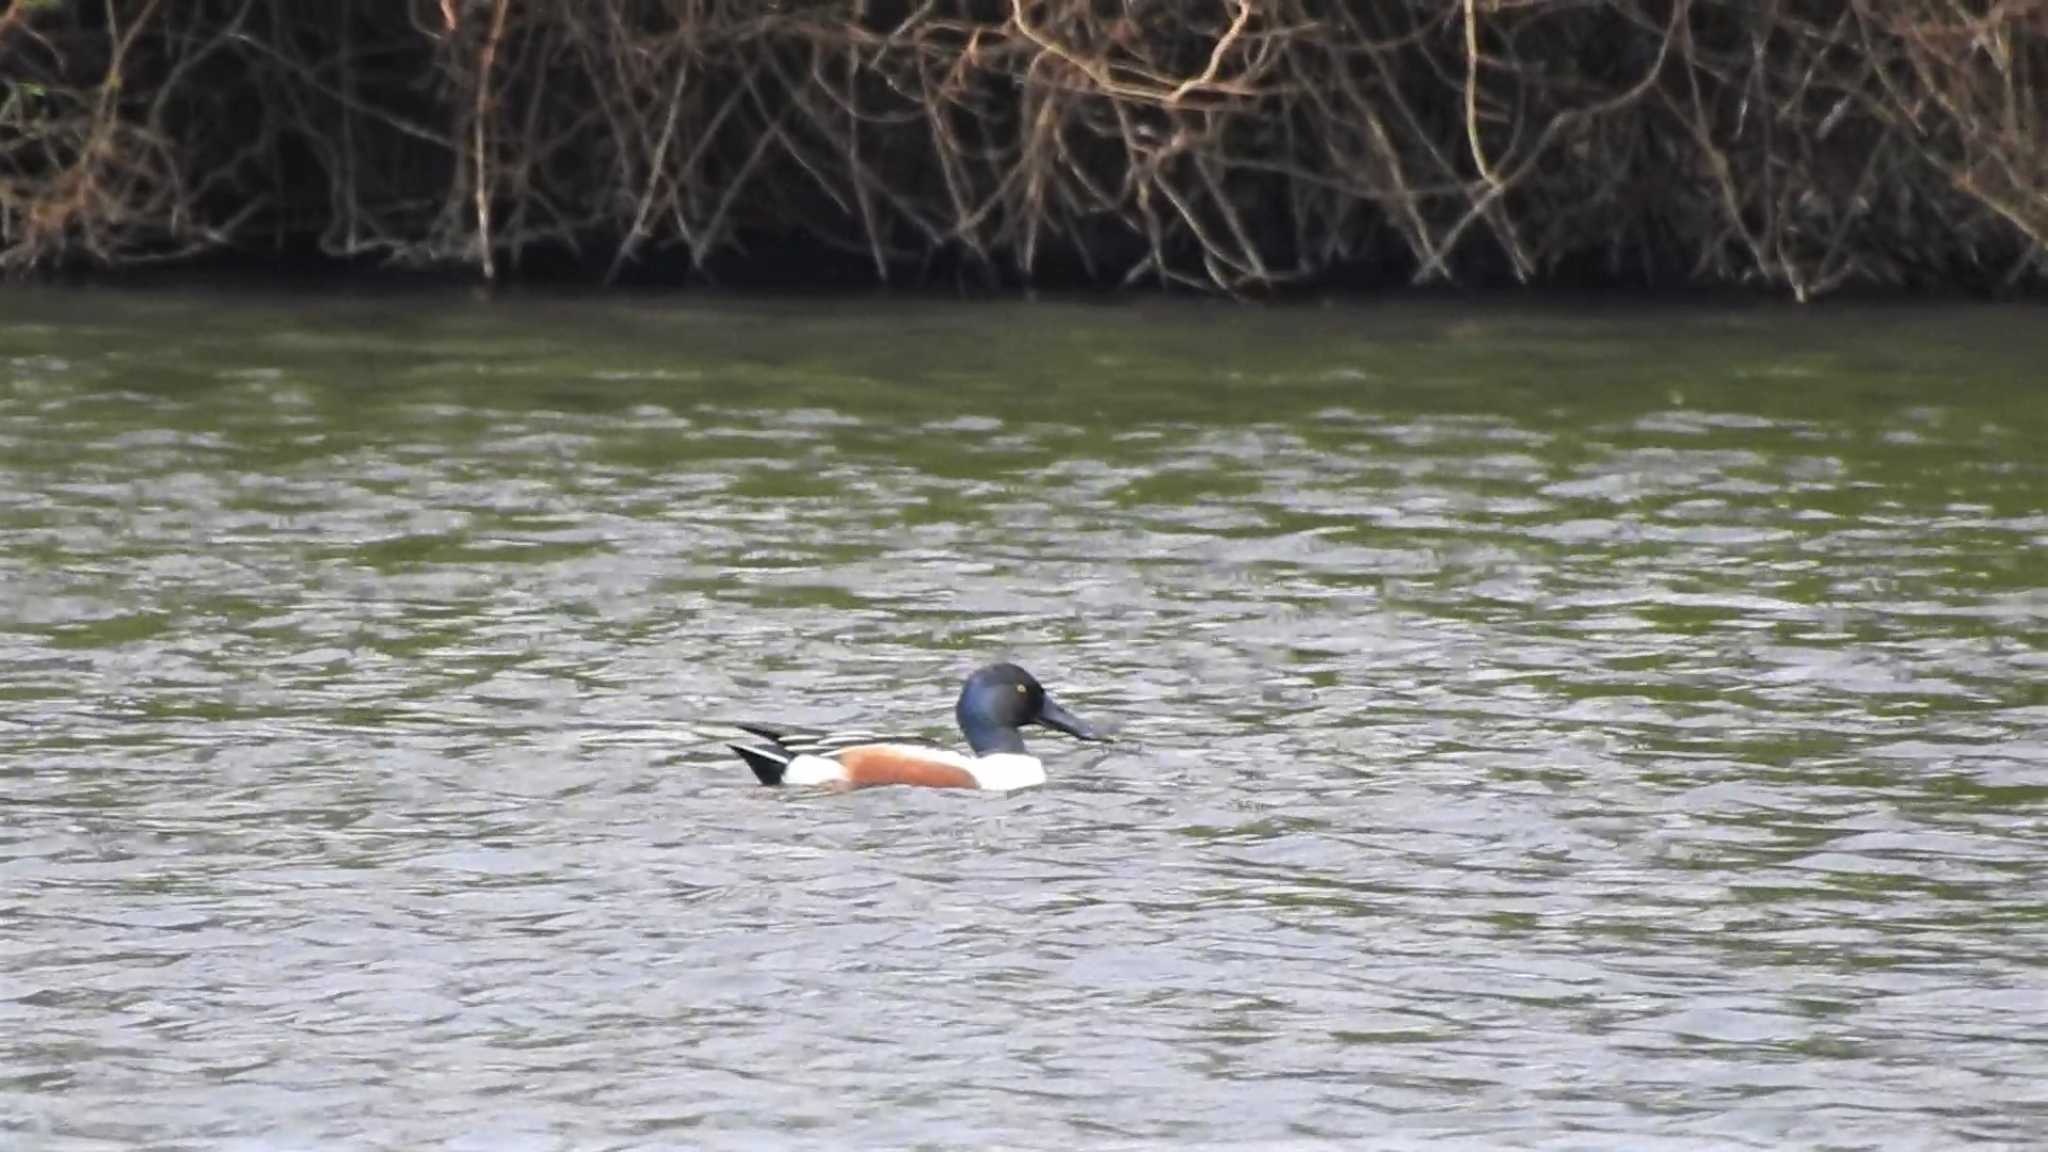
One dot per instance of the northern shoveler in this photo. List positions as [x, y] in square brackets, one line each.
[996, 702]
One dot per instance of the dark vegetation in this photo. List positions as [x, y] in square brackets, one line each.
[1793, 145]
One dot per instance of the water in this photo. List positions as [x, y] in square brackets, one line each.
[1548, 729]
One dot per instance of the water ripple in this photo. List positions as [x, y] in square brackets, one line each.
[1650, 757]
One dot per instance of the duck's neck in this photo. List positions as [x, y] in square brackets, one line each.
[987, 736]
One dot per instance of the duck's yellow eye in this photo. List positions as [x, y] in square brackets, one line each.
[1021, 690]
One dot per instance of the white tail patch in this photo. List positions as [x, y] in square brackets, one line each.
[814, 771]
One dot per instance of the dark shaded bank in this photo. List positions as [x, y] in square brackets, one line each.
[1797, 147]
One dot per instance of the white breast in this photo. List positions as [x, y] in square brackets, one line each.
[1003, 771]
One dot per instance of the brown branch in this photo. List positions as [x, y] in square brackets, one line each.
[480, 143]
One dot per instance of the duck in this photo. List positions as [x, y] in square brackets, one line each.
[995, 704]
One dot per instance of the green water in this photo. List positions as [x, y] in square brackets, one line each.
[1538, 728]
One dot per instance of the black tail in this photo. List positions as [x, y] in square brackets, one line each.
[768, 766]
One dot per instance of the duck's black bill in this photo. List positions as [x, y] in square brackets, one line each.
[1053, 716]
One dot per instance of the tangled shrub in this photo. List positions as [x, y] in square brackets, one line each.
[1232, 144]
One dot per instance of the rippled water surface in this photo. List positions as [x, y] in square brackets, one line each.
[1548, 729]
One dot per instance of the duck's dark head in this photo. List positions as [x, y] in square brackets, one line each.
[1002, 698]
